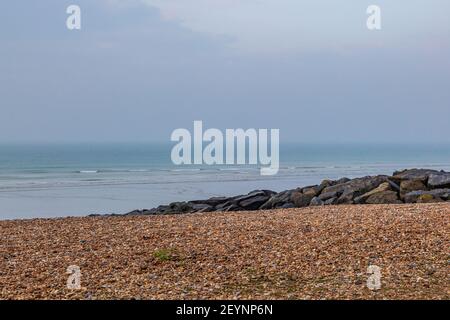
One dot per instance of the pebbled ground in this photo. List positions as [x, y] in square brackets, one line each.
[308, 253]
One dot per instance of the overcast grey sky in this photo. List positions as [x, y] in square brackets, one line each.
[139, 69]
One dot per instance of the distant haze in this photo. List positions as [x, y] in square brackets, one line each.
[139, 69]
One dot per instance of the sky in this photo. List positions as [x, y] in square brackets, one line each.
[139, 69]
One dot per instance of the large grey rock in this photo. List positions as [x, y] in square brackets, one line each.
[413, 174]
[438, 194]
[252, 194]
[277, 200]
[330, 201]
[202, 207]
[385, 186]
[386, 196]
[313, 190]
[301, 200]
[316, 202]
[439, 180]
[407, 186]
[253, 203]
[327, 195]
[214, 201]
[353, 188]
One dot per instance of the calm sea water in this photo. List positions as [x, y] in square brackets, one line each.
[74, 180]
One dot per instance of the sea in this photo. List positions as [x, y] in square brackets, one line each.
[59, 180]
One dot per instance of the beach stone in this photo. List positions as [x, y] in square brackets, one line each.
[331, 201]
[428, 198]
[254, 202]
[385, 186]
[316, 202]
[301, 200]
[355, 187]
[407, 186]
[313, 190]
[346, 198]
[202, 207]
[214, 201]
[287, 205]
[440, 180]
[277, 200]
[328, 195]
[179, 207]
[223, 206]
[414, 196]
[327, 183]
[252, 194]
[233, 207]
[413, 174]
[342, 180]
[386, 196]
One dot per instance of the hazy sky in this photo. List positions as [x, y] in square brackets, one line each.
[139, 69]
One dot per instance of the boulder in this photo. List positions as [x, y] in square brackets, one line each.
[437, 194]
[214, 201]
[387, 196]
[407, 186]
[316, 202]
[354, 188]
[346, 198]
[254, 202]
[277, 200]
[330, 201]
[301, 200]
[385, 186]
[428, 198]
[252, 194]
[287, 205]
[179, 207]
[439, 180]
[202, 207]
[413, 174]
[328, 195]
[313, 190]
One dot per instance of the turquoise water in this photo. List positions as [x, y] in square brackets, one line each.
[79, 179]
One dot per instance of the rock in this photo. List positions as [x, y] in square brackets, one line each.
[253, 203]
[301, 200]
[316, 202]
[327, 195]
[202, 207]
[354, 188]
[331, 201]
[233, 207]
[413, 174]
[439, 180]
[214, 201]
[394, 186]
[223, 206]
[346, 198]
[287, 205]
[327, 183]
[407, 186]
[342, 180]
[437, 194]
[312, 191]
[180, 207]
[385, 186]
[428, 198]
[381, 197]
[252, 194]
[278, 200]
